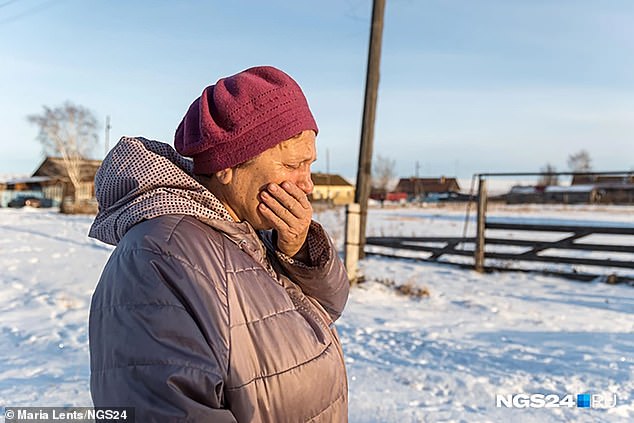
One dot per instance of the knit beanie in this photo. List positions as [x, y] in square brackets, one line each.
[240, 117]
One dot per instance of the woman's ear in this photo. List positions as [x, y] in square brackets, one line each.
[225, 176]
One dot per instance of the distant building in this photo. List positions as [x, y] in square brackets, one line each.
[332, 188]
[539, 194]
[4, 198]
[396, 197]
[610, 189]
[53, 168]
[35, 186]
[50, 180]
[382, 195]
[602, 179]
[419, 188]
[575, 194]
[521, 194]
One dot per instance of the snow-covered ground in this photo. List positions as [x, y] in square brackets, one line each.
[439, 358]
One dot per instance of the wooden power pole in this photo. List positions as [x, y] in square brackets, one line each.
[364, 169]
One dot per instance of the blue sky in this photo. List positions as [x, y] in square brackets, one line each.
[466, 85]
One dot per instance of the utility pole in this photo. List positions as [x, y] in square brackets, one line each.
[107, 145]
[364, 169]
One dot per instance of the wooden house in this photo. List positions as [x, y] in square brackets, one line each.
[419, 188]
[609, 189]
[59, 185]
[50, 180]
[332, 188]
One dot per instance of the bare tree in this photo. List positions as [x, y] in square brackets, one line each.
[383, 173]
[70, 132]
[580, 162]
[547, 177]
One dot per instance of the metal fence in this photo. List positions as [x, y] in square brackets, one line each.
[480, 250]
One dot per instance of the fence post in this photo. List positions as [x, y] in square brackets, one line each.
[352, 240]
[482, 210]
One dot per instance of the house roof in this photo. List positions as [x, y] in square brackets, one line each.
[521, 189]
[571, 188]
[415, 186]
[329, 179]
[602, 179]
[54, 167]
[28, 180]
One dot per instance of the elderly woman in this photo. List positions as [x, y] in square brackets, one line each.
[218, 303]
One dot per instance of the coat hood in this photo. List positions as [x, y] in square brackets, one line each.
[142, 179]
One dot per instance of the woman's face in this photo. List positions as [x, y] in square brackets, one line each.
[289, 161]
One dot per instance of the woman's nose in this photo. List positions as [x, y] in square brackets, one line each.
[305, 182]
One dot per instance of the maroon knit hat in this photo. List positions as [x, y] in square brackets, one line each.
[240, 117]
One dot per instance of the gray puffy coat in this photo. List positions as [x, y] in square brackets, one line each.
[199, 319]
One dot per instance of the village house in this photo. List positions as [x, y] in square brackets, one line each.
[602, 179]
[29, 186]
[584, 189]
[54, 168]
[4, 199]
[332, 188]
[610, 189]
[420, 188]
[555, 194]
[50, 180]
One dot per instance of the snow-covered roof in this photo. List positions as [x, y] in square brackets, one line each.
[572, 188]
[28, 180]
[523, 190]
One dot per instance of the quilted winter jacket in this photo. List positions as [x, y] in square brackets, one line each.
[201, 320]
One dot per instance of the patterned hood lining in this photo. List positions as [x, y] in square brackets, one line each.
[142, 179]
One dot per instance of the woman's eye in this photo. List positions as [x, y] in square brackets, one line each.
[292, 166]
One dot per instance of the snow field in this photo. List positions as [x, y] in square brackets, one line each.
[441, 358]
